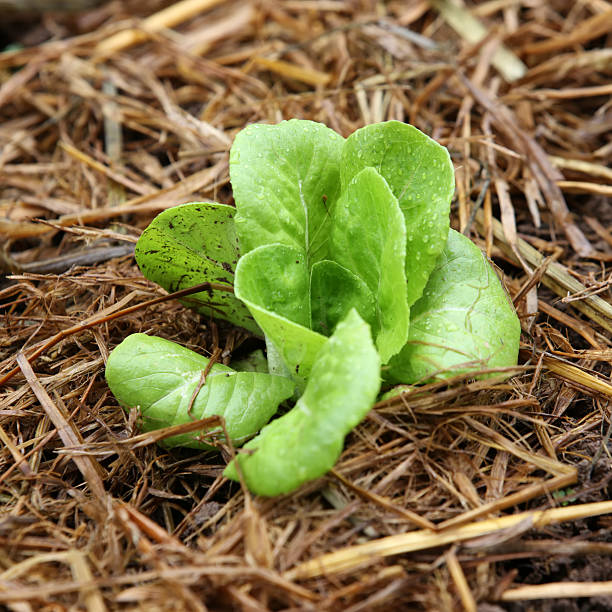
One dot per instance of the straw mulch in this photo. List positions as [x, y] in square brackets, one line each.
[472, 494]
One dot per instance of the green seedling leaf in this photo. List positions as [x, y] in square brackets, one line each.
[420, 174]
[306, 442]
[285, 177]
[368, 238]
[273, 282]
[191, 244]
[161, 377]
[253, 362]
[464, 321]
[334, 290]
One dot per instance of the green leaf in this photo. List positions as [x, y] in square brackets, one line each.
[463, 323]
[273, 282]
[276, 278]
[277, 366]
[420, 174]
[284, 178]
[306, 442]
[369, 239]
[253, 362]
[334, 290]
[191, 244]
[161, 377]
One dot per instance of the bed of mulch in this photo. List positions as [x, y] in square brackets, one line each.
[472, 494]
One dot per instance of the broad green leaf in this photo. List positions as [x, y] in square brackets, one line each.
[464, 322]
[161, 377]
[190, 244]
[420, 174]
[369, 238]
[306, 442]
[334, 290]
[273, 282]
[284, 178]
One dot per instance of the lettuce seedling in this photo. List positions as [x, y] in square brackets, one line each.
[341, 256]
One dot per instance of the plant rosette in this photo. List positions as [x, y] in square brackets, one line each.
[341, 257]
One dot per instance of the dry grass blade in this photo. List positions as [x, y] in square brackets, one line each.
[579, 377]
[82, 573]
[20, 460]
[454, 567]
[557, 590]
[585, 187]
[148, 438]
[385, 503]
[470, 28]
[95, 165]
[291, 71]
[353, 557]
[587, 30]
[166, 18]
[598, 170]
[88, 466]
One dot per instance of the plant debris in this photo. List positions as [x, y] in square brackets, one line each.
[457, 495]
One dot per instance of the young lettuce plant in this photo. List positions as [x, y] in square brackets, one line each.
[338, 250]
